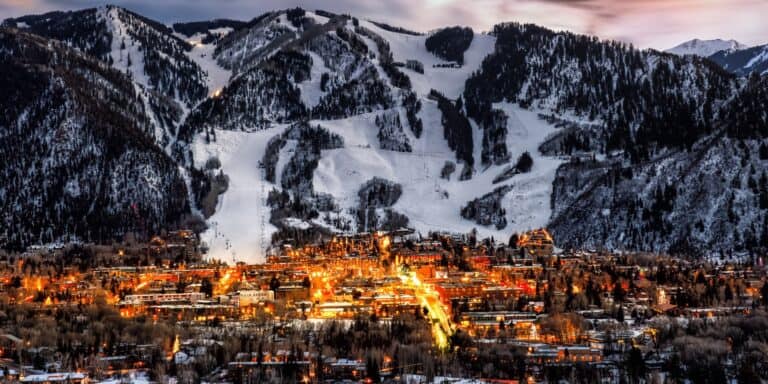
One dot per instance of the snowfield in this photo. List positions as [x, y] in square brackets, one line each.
[432, 203]
[216, 76]
[240, 228]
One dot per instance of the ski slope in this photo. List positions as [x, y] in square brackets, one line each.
[216, 76]
[239, 230]
[432, 203]
[449, 81]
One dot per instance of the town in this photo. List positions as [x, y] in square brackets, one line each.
[379, 307]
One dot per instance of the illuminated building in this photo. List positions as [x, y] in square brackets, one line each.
[253, 296]
[537, 242]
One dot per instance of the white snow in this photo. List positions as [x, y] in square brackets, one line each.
[310, 89]
[240, 228]
[216, 76]
[223, 31]
[318, 19]
[135, 377]
[706, 48]
[449, 81]
[132, 53]
[430, 202]
[763, 56]
[528, 204]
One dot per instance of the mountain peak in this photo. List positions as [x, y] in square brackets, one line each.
[706, 48]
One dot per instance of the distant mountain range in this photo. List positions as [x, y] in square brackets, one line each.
[745, 61]
[299, 123]
[730, 54]
[706, 48]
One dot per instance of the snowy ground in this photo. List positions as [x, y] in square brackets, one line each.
[528, 204]
[430, 202]
[449, 81]
[310, 89]
[240, 228]
[132, 378]
[130, 59]
[202, 54]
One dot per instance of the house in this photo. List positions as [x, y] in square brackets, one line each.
[63, 377]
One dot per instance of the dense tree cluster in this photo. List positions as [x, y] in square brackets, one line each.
[298, 198]
[488, 210]
[391, 135]
[166, 64]
[354, 87]
[244, 47]
[398, 79]
[379, 193]
[494, 139]
[412, 106]
[272, 156]
[394, 29]
[310, 140]
[457, 131]
[83, 29]
[264, 95]
[745, 116]
[637, 207]
[165, 61]
[75, 148]
[448, 169]
[374, 212]
[364, 94]
[295, 16]
[355, 42]
[524, 163]
[646, 100]
[450, 43]
[192, 28]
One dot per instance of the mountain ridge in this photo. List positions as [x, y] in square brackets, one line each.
[706, 48]
[280, 126]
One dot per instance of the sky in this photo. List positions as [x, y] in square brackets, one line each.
[659, 24]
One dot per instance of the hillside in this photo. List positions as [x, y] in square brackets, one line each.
[80, 159]
[744, 62]
[300, 123]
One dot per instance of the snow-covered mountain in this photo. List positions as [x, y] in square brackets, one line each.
[744, 62]
[80, 160]
[300, 123]
[706, 48]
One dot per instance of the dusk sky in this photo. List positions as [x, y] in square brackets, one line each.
[657, 24]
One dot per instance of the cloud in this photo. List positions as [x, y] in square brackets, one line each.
[647, 23]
